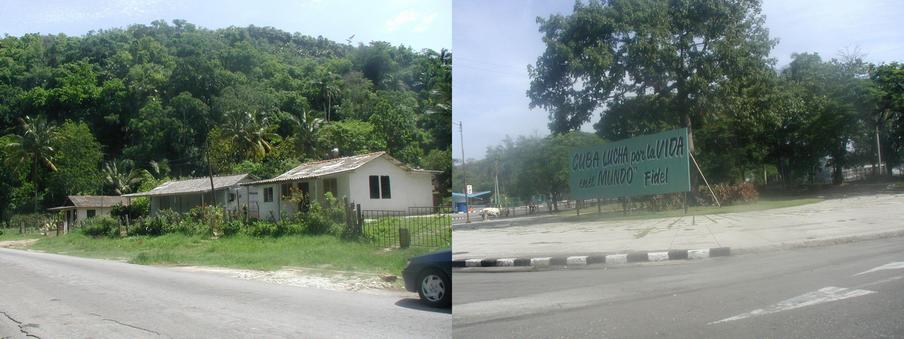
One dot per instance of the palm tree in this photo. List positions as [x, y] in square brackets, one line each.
[306, 128]
[121, 177]
[249, 133]
[35, 144]
[328, 90]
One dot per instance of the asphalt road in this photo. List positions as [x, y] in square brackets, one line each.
[853, 290]
[55, 296]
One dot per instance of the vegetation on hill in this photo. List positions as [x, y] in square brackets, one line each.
[106, 112]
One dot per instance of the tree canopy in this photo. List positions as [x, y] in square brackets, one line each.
[263, 98]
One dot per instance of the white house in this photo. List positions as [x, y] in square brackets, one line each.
[79, 208]
[183, 195]
[376, 181]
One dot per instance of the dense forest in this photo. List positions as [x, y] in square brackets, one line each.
[119, 110]
[645, 67]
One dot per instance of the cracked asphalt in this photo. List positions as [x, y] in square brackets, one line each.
[55, 296]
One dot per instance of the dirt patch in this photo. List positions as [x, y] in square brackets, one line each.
[310, 277]
[17, 244]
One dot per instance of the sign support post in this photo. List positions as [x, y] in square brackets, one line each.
[706, 182]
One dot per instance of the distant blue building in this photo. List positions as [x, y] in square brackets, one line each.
[458, 199]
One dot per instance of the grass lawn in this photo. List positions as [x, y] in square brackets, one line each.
[614, 211]
[325, 252]
[13, 234]
[426, 230]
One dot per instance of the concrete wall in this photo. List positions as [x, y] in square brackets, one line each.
[81, 214]
[408, 189]
[268, 210]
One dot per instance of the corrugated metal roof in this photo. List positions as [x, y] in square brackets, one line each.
[95, 201]
[332, 166]
[196, 185]
[323, 167]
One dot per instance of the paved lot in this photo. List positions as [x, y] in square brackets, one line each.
[842, 291]
[55, 296]
[862, 216]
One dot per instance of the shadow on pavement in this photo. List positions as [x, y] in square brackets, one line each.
[417, 305]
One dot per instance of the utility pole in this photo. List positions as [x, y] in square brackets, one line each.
[496, 193]
[213, 193]
[464, 177]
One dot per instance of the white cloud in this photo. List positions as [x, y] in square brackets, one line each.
[425, 23]
[419, 22]
[403, 18]
[116, 8]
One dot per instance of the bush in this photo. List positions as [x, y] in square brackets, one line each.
[728, 194]
[137, 210]
[165, 221]
[327, 219]
[261, 228]
[207, 221]
[232, 227]
[102, 226]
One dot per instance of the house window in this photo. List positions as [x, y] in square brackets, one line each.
[231, 197]
[92, 213]
[286, 190]
[379, 187]
[374, 187]
[268, 194]
[331, 185]
[384, 187]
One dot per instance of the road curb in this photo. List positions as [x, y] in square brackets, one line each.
[597, 259]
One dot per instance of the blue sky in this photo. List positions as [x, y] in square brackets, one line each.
[494, 41]
[419, 24]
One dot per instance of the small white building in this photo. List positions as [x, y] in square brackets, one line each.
[376, 181]
[183, 195]
[79, 208]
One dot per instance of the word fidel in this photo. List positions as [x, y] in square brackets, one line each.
[618, 167]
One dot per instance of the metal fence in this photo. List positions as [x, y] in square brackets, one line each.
[517, 210]
[417, 226]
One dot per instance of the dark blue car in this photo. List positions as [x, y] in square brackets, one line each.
[430, 275]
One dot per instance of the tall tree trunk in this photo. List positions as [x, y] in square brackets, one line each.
[34, 178]
[690, 151]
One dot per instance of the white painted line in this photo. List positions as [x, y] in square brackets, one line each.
[879, 282]
[658, 256]
[616, 259]
[540, 261]
[889, 266]
[823, 295]
[698, 254]
[472, 263]
[576, 260]
[505, 262]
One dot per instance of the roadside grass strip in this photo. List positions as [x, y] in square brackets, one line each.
[577, 261]
[244, 252]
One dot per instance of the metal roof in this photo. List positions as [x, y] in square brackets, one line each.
[332, 166]
[196, 185]
[92, 201]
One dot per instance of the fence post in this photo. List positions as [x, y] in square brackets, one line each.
[360, 219]
[346, 209]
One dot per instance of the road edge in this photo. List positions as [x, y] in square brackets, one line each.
[578, 261]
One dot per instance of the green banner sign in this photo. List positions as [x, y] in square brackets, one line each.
[644, 165]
